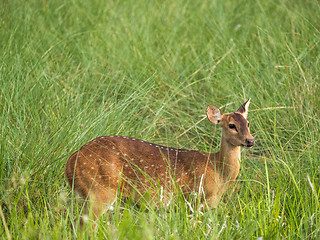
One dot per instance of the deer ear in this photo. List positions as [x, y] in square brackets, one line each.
[244, 108]
[214, 114]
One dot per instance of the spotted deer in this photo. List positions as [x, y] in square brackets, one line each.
[112, 166]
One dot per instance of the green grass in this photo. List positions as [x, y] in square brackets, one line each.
[71, 71]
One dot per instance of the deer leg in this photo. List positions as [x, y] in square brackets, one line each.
[101, 199]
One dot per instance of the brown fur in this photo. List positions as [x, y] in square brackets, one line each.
[108, 164]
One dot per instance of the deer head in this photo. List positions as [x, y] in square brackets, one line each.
[235, 126]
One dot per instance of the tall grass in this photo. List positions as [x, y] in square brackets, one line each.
[74, 70]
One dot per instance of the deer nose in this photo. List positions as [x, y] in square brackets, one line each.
[250, 142]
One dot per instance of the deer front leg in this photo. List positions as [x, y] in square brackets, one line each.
[214, 191]
[213, 200]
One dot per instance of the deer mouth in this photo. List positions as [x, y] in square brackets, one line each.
[250, 143]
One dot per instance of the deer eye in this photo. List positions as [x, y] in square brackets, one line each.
[232, 126]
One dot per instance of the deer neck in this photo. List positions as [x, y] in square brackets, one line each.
[229, 159]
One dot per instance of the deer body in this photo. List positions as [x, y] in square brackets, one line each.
[109, 164]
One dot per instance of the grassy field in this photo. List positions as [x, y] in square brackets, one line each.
[71, 71]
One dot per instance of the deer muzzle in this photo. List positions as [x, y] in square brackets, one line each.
[250, 142]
